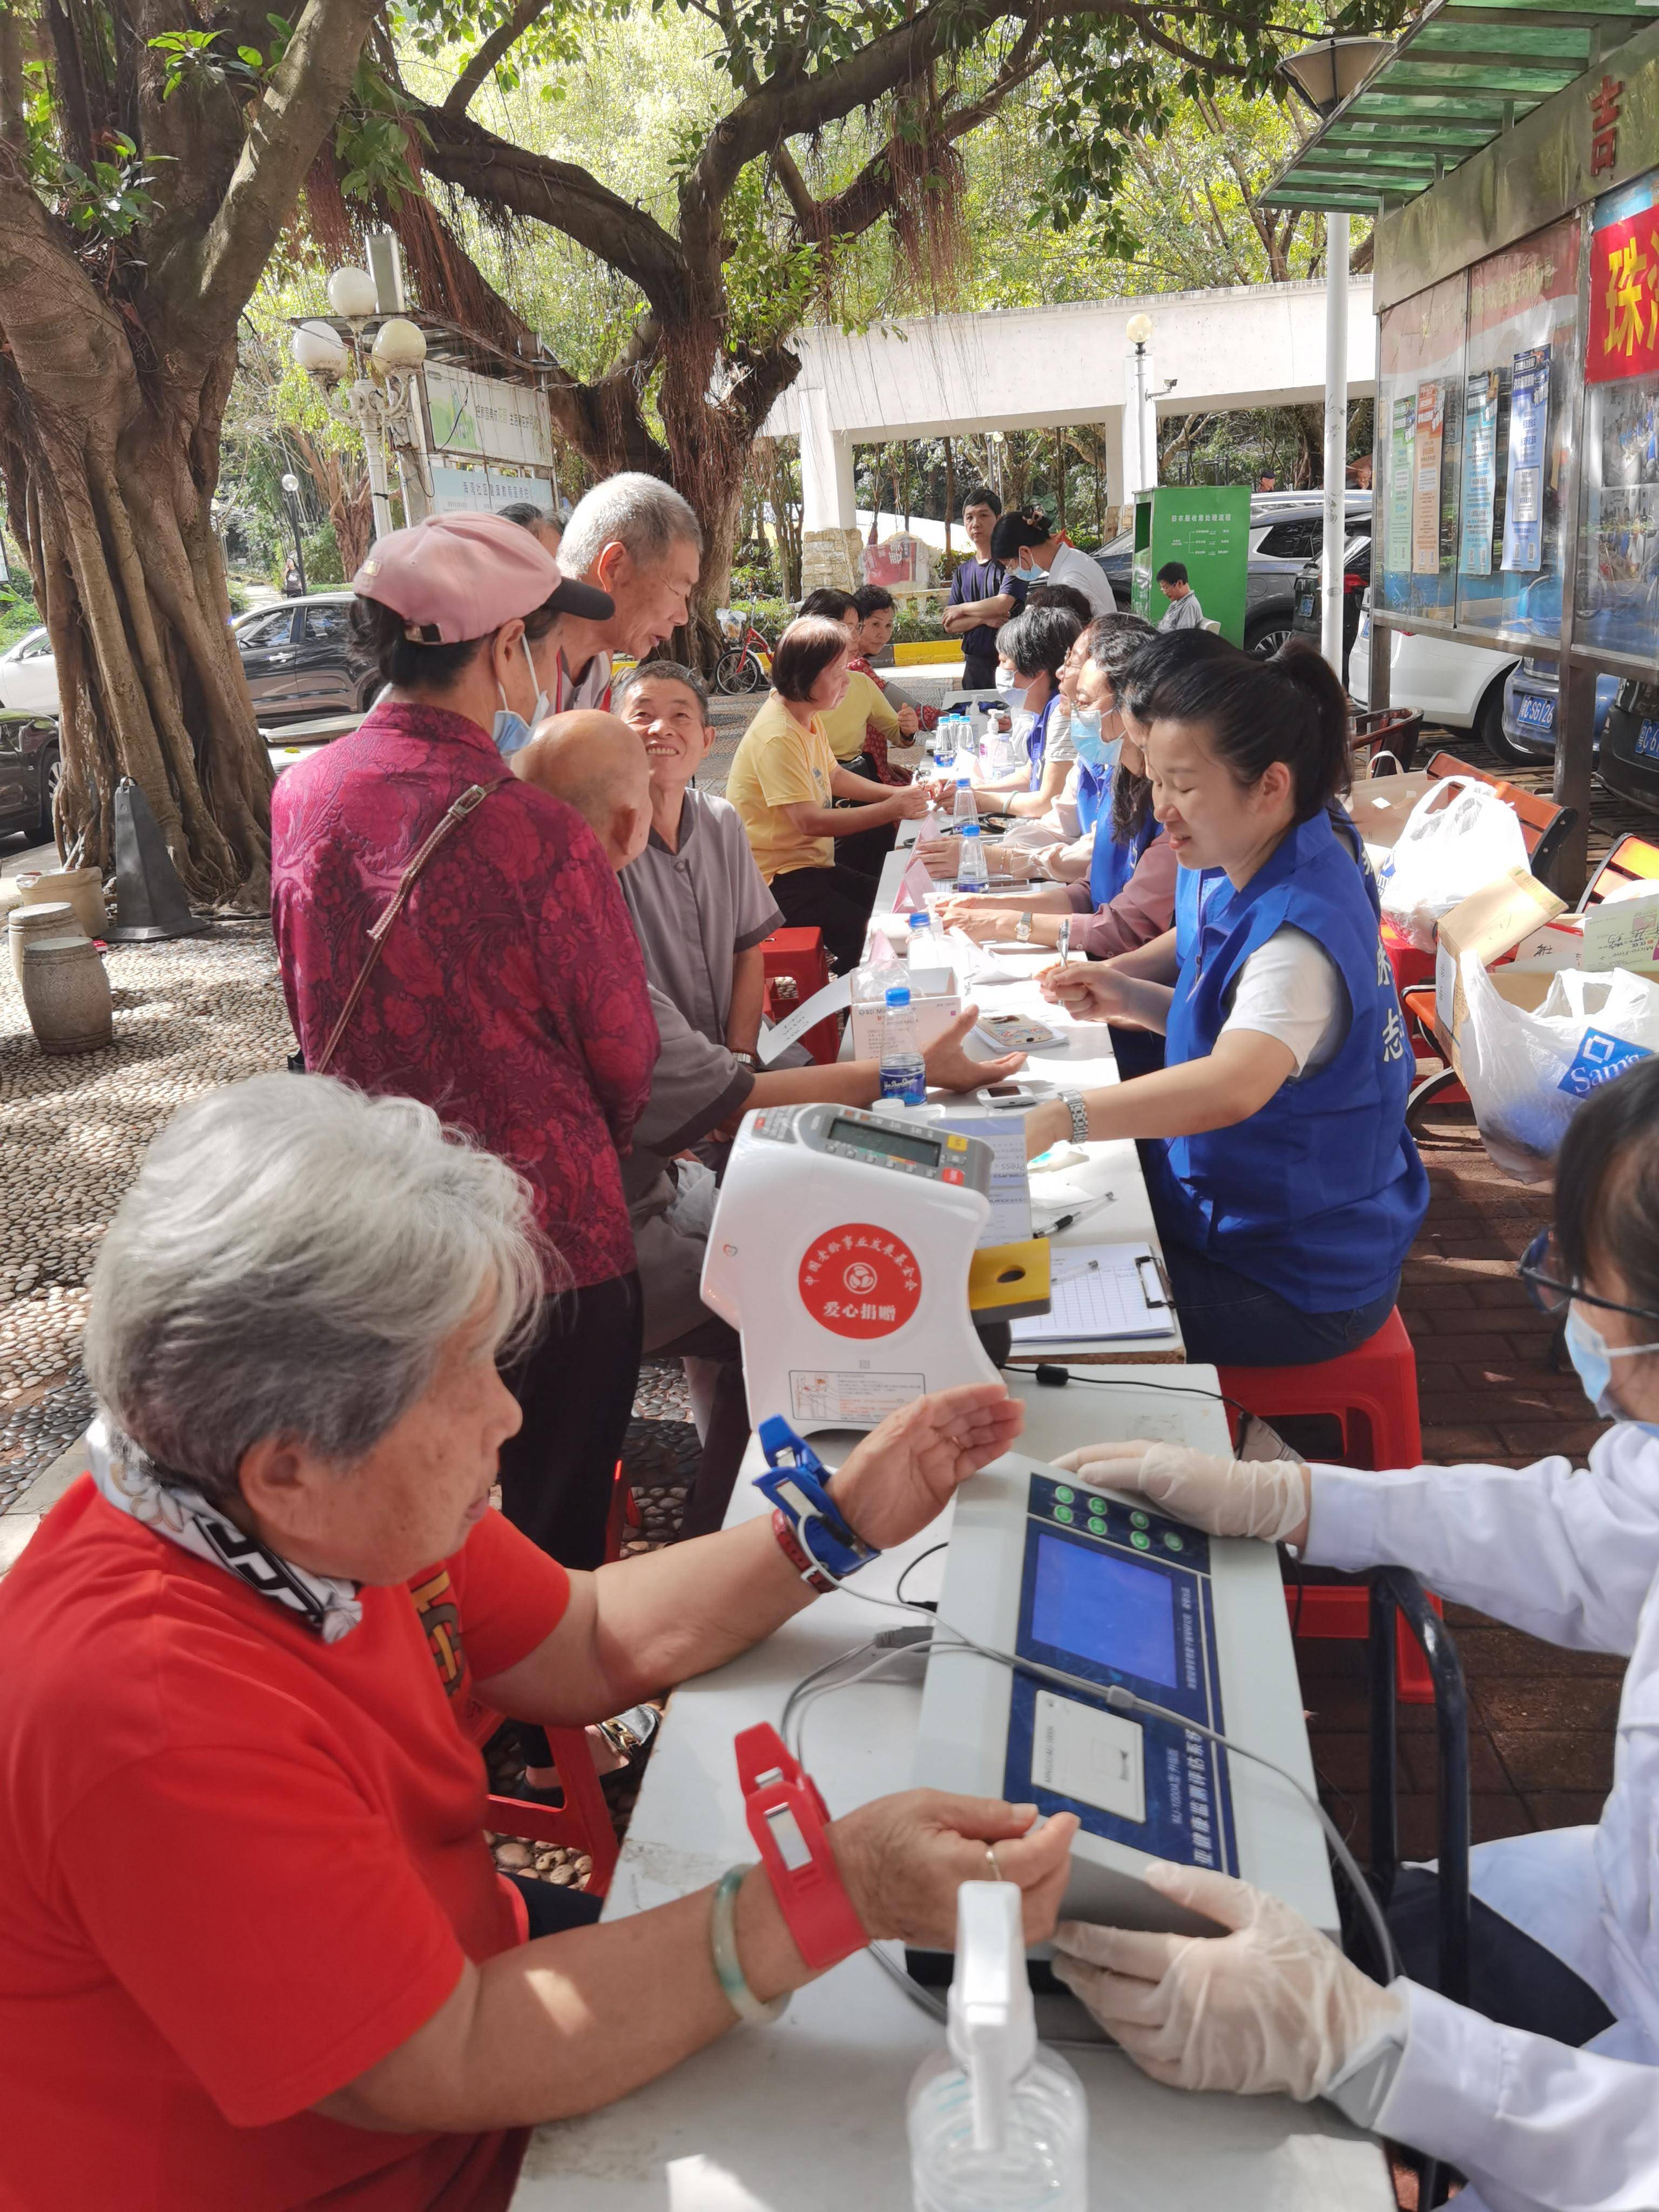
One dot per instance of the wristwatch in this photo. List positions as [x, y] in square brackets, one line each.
[1022, 933]
[749, 1060]
[1073, 1102]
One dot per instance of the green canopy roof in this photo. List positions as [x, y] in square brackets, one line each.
[1465, 71]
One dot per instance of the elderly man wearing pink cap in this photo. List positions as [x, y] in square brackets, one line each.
[506, 989]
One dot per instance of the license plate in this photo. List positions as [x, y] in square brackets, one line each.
[1647, 741]
[1536, 714]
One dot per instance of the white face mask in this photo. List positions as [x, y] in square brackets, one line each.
[1008, 683]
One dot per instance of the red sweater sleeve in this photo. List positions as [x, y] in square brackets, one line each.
[1142, 910]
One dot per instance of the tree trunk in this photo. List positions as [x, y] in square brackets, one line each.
[115, 474]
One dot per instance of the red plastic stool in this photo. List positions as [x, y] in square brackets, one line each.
[797, 966]
[1371, 1393]
[624, 1515]
[582, 1823]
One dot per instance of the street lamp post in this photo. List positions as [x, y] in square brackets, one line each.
[291, 500]
[380, 397]
[1139, 463]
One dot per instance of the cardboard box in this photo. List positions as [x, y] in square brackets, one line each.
[1382, 806]
[1525, 984]
[1491, 922]
[935, 999]
[1622, 933]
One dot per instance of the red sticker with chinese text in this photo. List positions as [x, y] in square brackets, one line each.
[859, 1280]
[1624, 300]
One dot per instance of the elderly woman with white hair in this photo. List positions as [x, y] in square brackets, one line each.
[253, 1949]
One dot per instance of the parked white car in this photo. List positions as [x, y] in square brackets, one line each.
[28, 676]
[1460, 685]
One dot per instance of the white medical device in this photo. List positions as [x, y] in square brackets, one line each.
[1083, 1582]
[841, 1251]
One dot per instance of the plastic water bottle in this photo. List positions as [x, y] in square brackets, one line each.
[967, 806]
[996, 2124]
[919, 943]
[972, 872]
[903, 1071]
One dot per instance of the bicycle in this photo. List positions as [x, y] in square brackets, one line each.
[747, 661]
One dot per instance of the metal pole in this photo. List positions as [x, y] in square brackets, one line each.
[1336, 437]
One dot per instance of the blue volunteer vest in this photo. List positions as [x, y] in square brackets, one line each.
[1112, 863]
[1036, 738]
[1091, 789]
[1319, 1194]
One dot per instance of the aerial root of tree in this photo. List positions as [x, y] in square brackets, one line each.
[120, 544]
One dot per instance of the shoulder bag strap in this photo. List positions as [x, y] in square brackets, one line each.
[471, 797]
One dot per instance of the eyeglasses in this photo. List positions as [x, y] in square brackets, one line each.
[1551, 1294]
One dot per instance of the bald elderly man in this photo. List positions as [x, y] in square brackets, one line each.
[598, 765]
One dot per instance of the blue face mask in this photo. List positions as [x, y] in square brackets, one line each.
[1084, 731]
[1592, 1356]
[510, 730]
[1032, 575]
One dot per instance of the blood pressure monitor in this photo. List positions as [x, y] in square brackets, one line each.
[841, 1250]
[1108, 1592]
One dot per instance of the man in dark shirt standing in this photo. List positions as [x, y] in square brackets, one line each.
[983, 596]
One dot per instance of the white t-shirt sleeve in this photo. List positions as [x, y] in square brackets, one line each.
[1291, 988]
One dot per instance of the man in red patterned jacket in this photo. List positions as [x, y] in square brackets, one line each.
[510, 994]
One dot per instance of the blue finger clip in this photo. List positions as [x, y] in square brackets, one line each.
[796, 1486]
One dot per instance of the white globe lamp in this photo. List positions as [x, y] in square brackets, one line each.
[318, 351]
[399, 347]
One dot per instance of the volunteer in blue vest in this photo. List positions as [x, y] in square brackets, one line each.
[1031, 651]
[1285, 1187]
[1126, 896]
[1542, 2089]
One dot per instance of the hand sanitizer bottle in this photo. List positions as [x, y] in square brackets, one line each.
[996, 2124]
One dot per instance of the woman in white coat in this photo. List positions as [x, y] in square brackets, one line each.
[1566, 1940]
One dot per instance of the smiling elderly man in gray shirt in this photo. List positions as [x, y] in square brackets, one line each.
[700, 905]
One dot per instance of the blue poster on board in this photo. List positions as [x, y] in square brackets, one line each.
[1523, 509]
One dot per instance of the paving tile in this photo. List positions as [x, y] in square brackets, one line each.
[1535, 1439]
[1541, 1703]
[1448, 1445]
[1489, 1772]
[1565, 1809]
[1556, 1759]
[1488, 1652]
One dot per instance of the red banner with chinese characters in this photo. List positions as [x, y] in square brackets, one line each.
[1624, 300]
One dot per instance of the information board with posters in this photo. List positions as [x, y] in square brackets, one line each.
[1420, 397]
[1522, 330]
[484, 418]
[1617, 583]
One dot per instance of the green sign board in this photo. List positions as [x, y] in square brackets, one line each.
[1207, 528]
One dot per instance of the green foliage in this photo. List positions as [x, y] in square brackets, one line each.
[371, 140]
[196, 59]
[108, 200]
[18, 616]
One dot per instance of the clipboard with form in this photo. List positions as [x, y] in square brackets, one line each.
[1100, 1290]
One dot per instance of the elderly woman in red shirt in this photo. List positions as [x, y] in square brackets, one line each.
[254, 1953]
[509, 994]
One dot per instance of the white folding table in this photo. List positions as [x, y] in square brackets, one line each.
[809, 2116]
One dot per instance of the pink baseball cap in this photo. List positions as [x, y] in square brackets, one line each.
[458, 576]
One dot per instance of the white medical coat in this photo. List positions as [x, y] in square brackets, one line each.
[1570, 1555]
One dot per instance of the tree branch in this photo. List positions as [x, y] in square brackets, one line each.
[559, 193]
[460, 96]
[209, 282]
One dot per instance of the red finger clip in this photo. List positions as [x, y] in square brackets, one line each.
[785, 1818]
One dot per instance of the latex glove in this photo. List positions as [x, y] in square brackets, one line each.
[1271, 2006]
[1267, 1497]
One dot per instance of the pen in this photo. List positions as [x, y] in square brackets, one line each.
[1064, 938]
[1080, 1213]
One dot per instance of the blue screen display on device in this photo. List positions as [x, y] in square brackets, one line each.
[1111, 1611]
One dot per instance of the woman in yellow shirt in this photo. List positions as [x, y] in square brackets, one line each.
[784, 783]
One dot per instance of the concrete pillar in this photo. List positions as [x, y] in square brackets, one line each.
[826, 468]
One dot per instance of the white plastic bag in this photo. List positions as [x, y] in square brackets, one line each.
[1527, 1075]
[1450, 848]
